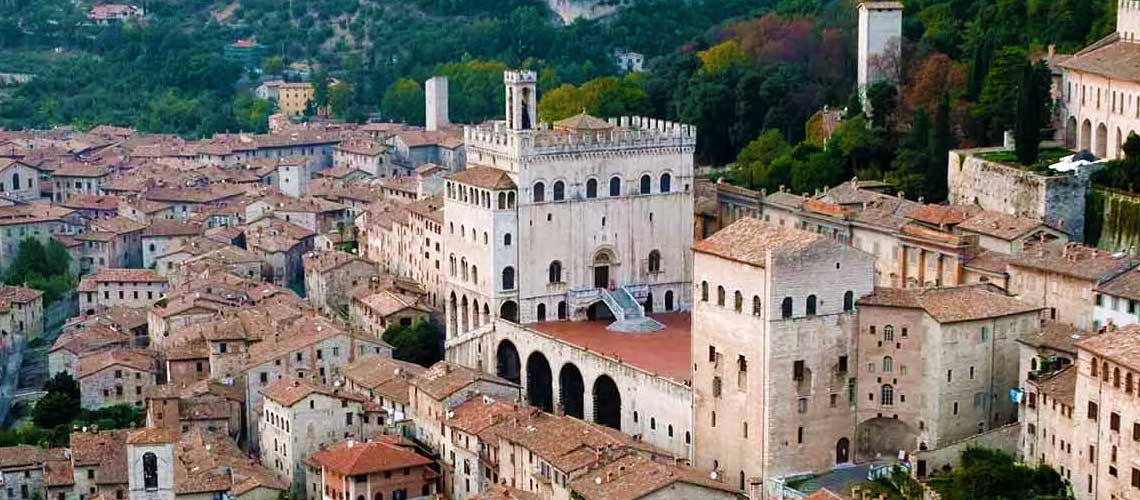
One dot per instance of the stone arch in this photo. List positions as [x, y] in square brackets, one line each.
[464, 314]
[591, 188]
[1101, 142]
[669, 300]
[539, 391]
[607, 402]
[884, 437]
[539, 192]
[475, 313]
[1086, 135]
[452, 313]
[571, 391]
[509, 311]
[562, 312]
[507, 364]
[540, 313]
[559, 191]
[842, 451]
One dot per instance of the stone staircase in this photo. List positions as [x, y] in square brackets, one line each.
[629, 316]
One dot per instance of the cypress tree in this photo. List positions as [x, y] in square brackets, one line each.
[1027, 131]
[940, 143]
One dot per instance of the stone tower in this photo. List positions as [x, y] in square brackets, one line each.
[880, 36]
[150, 464]
[522, 99]
[1128, 20]
[435, 92]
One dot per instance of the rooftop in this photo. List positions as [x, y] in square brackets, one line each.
[664, 352]
[952, 304]
[444, 379]
[352, 458]
[1074, 260]
[289, 392]
[1109, 57]
[634, 476]
[1121, 345]
[751, 240]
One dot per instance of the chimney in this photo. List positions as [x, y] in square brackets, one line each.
[435, 95]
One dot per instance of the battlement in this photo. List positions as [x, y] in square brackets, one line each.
[628, 132]
[519, 76]
[1128, 20]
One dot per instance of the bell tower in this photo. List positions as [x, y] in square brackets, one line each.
[1128, 20]
[522, 99]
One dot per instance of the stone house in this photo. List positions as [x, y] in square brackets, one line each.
[385, 467]
[163, 465]
[1117, 301]
[299, 418]
[162, 236]
[936, 365]
[1062, 278]
[384, 381]
[109, 287]
[373, 310]
[463, 454]
[22, 470]
[438, 389]
[41, 222]
[18, 180]
[282, 246]
[74, 343]
[26, 309]
[111, 242]
[331, 275]
[206, 406]
[98, 464]
[362, 154]
[774, 299]
[78, 178]
[115, 376]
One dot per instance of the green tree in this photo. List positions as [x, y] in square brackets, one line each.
[986, 474]
[996, 108]
[722, 56]
[882, 98]
[404, 102]
[940, 143]
[272, 65]
[44, 268]
[60, 406]
[753, 166]
[418, 343]
[1029, 116]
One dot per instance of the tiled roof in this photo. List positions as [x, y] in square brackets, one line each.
[208, 462]
[19, 294]
[941, 215]
[1074, 260]
[353, 458]
[751, 240]
[114, 274]
[1055, 335]
[325, 261]
[1061, 386]
[105, 449]
[137, 359]
[290, 391]
[1109, 57]
[477, 414]
[999, 225]
[1121, 345]
[152, 435]
[635, 476]
[372, 371]
[444, 379]
[85, 339]
[116, 225]
[567, 443]
[1125, 285]
[32, 213]
[388, 302]
[58, 473]
[583, 122]
[483, 177]
[950, 305]
[164, 227]
[23, 456]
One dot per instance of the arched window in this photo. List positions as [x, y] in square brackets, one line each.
[475, 274]
[705, 298]
[888, 395]
[463, 265]
[150, 470]
[539, 192]
[508, 278]
[1116, 377]
[888, 333]
[756, 309]
[888, 364]
[555, 272]
[378, 496]
[541, 312]
[646, 184]
[451, 265]
[562, 309]
[15, 181]
[1128, 384]
[654, 261]
[1104, 371]
[811, 305]
[786, 308]
[1094, 367]
[720, 295]
[738, 301]
[669, 300]
[559, 191]
[615, 186]
[592, 188]
[507, 239]
[849, 301]
[666, 183]
[502, 201]
[511, 199]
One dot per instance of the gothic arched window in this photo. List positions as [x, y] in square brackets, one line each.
[539, 192]
[615, 186]
[556, 272]
[150, 470]
[592, 188]
[666, 183]
[888, 395]
[646, 184]
[654, 261]
[811, 305]
[559, 191]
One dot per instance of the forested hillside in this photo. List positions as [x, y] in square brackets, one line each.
[750, 74]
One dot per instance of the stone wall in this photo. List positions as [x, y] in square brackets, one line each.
[1058, 200]
[1003, 438]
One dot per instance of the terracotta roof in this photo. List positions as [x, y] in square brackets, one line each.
[1055, 335]
[164, 227]
[504, 492]
[583, 122]
[1061, 386]
[105, 449]
[388, 302]
[115, 274]
[210, 462]
[324, 261]
[1126, 285]
[372, 371]
[32, 213]
[152, 435]
[634, 476]
[116, 225]
[90, 338]
[25, 456]
[19, 294]
[824, 493]
[1074, 260]
[444, 379]
[91, 202]
[989, 261]
[353, 458]
[483, 177]
[137, 359]
[950, 305]
[1121, 345]
[1109, 57]
[477, 414]
[58, 473]
[289, 392]
[565, 442]
[751, 241]
[999, 225]
[940, 215]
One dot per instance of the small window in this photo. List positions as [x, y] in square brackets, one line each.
[559, 191]
[592, 188]
[720, 296]
[646, 184]
[786, 308]
[666, 183]
[756, 306]
[704, 291]
[654, 262]
[539, 192]
[849, 301]
[811, 305]
[508, 278]
[615, 186]
[738, 302]
[887, 395]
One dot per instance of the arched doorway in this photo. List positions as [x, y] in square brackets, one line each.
[1086, 135]
[1071, 132]
[602, 263]
[509, 311]
[669, 300]
[842, 451]
[599, 311]
[507, 364]
[1101, 143]
[607, 403]
[571, 391]
[539, 392]
[649, 303]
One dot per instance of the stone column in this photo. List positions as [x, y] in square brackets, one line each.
[902, 265]
[921, 268]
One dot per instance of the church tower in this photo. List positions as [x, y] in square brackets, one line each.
[150, 464]
[522, 99]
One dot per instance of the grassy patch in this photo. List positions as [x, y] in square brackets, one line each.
[1045, 158]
